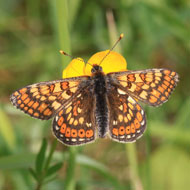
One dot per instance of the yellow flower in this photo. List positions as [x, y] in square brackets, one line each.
[113, 62]
[74, 69]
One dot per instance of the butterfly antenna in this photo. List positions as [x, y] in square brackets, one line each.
[120, 37]
[64, 53]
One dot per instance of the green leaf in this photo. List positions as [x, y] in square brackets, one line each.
[89, 162]
[100, 168]
[40, 159]
[33, 173]
[50, 179]
[49, 157]
[53, 169]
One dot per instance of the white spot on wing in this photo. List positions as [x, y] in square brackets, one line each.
[114, 122]
[128, 136]
[121, 91]
[33, 85]
[121, 107]
[88, 124]
[131, 100]
[142, 123]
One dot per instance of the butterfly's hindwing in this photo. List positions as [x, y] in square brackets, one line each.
[127, 118]
[74, 124]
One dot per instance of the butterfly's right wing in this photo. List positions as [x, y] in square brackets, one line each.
[43, 100]
[127, 121]
[151, 86]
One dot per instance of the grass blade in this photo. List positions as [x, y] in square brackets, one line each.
[41, 157]
[53, 169]
[33, 174]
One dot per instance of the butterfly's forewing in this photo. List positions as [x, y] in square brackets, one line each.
[42, 100]
[151, 86]
[74, 124]
[127, 118]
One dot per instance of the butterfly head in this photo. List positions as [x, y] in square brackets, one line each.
[96, 68]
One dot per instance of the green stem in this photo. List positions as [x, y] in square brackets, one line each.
[46, 166]
[131, 153]
[63, 29]
[133, 165]
[39, 185]
[53, 147]
[112, 30]
[69, 181]
[147, 165]
[64, 39]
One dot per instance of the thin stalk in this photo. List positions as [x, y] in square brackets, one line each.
[63, 29]
[64, 40]
[53, 147]
[147, 165]
[70, 180]
[131, 153]
[112, 29]
[46, 166]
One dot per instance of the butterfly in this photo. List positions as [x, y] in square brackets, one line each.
[98, 105]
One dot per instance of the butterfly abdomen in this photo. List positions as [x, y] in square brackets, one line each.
[101, 109]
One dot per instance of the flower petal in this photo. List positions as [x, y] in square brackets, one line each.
[75, 68]
[113, 62]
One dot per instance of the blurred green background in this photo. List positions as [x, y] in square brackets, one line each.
[157, 34]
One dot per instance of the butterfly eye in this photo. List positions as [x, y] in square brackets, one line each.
[96, 68]
[93, 70]
[100, 68]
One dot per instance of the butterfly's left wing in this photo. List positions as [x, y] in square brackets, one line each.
[151, 86]
[74, 124]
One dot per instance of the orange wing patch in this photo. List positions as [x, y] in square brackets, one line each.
[72, 103]
[127, 118]
[74, 123]
[43, 100]
[151, 86]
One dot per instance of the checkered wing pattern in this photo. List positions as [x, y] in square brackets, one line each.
[74, 124]
[127, 118]
[151, 86]
[43, 100]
